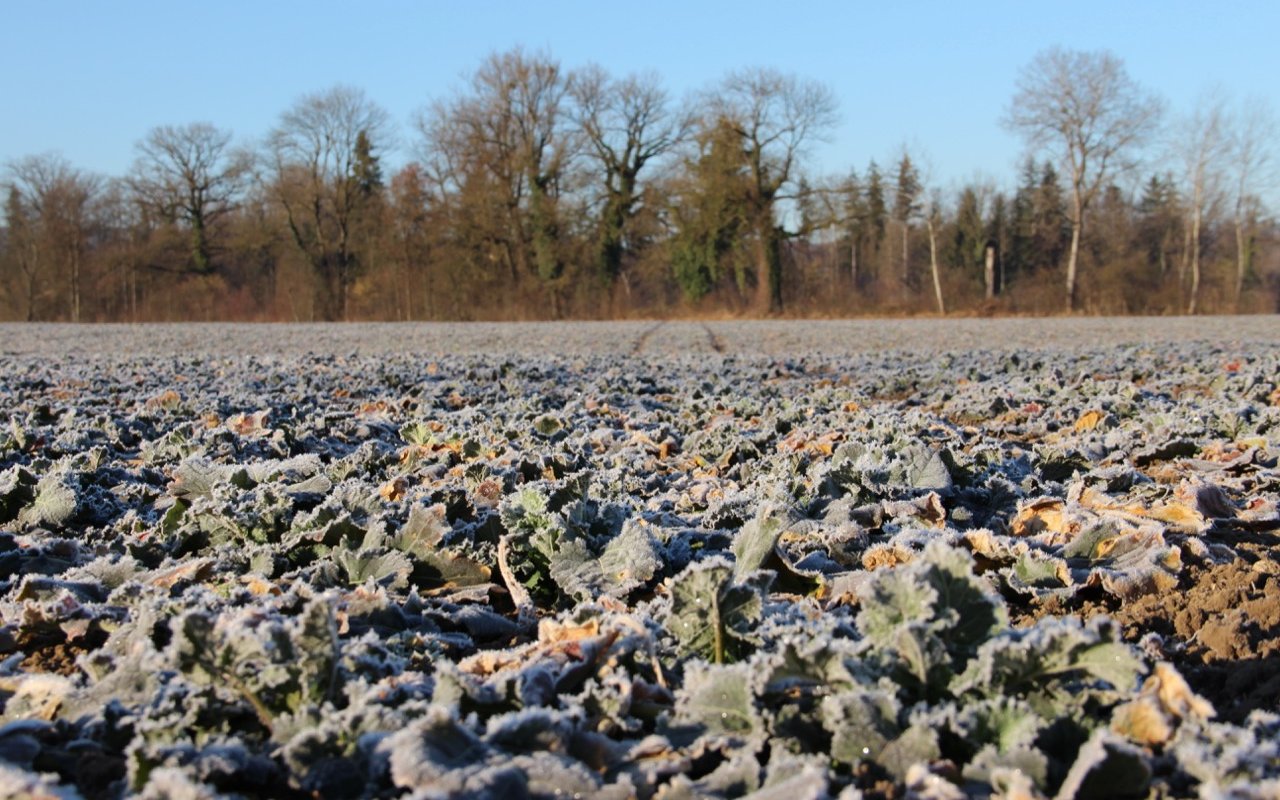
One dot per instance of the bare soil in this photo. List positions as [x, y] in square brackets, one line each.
[1220, 628]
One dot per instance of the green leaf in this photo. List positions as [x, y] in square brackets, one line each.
[1107, 767]
[932, 614]
[436, 566]
[719, 698]
[1051, 652]
[916, 745]
[314, 635]
[17, 489]
[713, 617]
[55, 501]
[379, 565]
[629, 560]
[1039, 571]
[547, 425]
[894, 598]
[172, 519]
[1023, 759]
[417, 432]
[861, 722]
[926, 469]
[1005, 723]
[755, 543]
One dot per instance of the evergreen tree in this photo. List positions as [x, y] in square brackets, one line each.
[1050, 227]
[710, 214]
[998, 235]
[855, 214]
[1159, 223]
[906, 206]
[877, 215]
[969, 236]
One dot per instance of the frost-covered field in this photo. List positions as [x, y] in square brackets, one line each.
[745, 338]
[1020, 558]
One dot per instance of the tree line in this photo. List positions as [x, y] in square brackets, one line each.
[536, 191]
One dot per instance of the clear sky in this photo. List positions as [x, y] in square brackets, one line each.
[90, 78]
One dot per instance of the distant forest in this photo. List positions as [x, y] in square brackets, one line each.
[538, 191]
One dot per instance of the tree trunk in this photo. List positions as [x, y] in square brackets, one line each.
[1195, 259]
[906, 254]
[768, 258]
[32, 273]
[330, 296]
[75, 284]
[989, 271]
[853, 263]
[1185, 259]
[1241, 260]
[1072, 260]
[933, 266]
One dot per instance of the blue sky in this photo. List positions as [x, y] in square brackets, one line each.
[89, 79]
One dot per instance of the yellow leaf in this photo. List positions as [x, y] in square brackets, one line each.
[1178, 514]
[1142, 721]
[883, 555]
[1040, 516]
[393, 489]
[259, 586]
[551, 632]
[1088, 421]
[1176, 696]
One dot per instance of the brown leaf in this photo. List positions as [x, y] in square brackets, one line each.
[1047, 515]
[1088, 421]
[883, 555]
[1175, 695]
[377, 408]
[254, 424]
[167, 400]
[1165, 699]
[191, 571]
[259, 586]
[1142, 721]
[393, 489]
[552, 632]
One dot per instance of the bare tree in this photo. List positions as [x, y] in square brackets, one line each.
[499, 153]
[323, 162]
[776, 117]
[1200, 144]
[22, 246]
[56, 204]
[627, 124]
[190, 177]
[1085, 110]
[1251, 130]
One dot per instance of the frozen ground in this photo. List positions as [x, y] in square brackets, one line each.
[871, 559]
[771, 338]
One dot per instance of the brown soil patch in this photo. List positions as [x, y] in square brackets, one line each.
[1220, 627]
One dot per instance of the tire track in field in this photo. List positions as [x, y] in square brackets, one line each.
[643, 339]
[715, 341]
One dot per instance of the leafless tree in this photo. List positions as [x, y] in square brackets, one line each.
[776, 117]
[1199, 144]
[1251, 130]
[190, 177]
[319, 156]
[499, 152]
[627, 124]
[56, 204]
[1084, 110]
